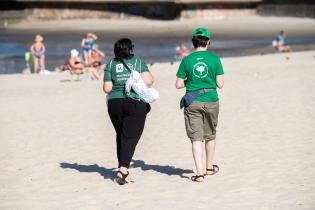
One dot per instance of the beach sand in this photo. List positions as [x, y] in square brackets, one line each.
[57, 144]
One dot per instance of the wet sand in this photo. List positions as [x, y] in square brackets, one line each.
[57, 145]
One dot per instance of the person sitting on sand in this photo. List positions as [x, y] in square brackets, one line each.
[87, 46]
[280, 43]
[182, 51]
[96, 59]
[201, 73]
[38, 51]
[76, 67]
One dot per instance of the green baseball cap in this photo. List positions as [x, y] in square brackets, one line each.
[201, 32]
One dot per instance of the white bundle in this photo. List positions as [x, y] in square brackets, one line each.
[136, 83]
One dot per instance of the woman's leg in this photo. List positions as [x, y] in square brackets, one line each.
[86, 57]
[115, 114]
[89, 55]
[132, 128]
[35, 59]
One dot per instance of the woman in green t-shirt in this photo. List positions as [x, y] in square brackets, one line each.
[127, 111]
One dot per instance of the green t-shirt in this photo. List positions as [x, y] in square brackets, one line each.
[199, 70]
[117, 73]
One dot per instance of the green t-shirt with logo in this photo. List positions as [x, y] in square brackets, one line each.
[199, 70]
[117, 73]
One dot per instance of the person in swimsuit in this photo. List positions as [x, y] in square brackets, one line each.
[182, 51]
[96, 60]
[280, 43]
[87, 46]
[76, 67]
[38, 51]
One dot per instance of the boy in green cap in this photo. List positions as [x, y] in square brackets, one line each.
[201, 73]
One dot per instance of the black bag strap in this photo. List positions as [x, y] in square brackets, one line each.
[126, 66]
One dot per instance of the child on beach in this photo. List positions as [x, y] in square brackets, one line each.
[201, 73]
[280, 43]
[38, 51]
[87, 46]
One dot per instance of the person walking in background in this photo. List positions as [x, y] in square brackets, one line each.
[201, 73]
[87, 46]
[127, 111]
[181, 51]
[38, 51]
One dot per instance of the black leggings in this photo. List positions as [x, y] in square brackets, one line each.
[128, 117]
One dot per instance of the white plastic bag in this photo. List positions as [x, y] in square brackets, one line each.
[136, 83]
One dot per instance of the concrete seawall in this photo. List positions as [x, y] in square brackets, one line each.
[14, 11]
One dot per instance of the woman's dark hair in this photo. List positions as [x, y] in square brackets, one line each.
[199, 41]
[123, 49]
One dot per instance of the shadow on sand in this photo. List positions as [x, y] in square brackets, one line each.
[168, 170]
[111, 173]
[105, 172]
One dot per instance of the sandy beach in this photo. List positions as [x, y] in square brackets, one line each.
[57, 144]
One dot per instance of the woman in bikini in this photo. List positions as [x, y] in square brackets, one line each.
[87, 46]
[38, 51]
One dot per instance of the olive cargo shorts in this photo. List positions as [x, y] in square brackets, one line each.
[201, 119]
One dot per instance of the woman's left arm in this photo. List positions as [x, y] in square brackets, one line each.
[147, 77]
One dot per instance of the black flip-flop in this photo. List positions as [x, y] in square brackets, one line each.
[196, 177]
[121, 180]
[214, 170]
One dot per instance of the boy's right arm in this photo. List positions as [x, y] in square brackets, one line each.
[220, 81]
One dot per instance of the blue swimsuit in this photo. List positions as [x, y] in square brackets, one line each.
[88, 45]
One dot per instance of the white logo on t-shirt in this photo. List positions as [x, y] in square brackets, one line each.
[119, 68]
[200, 70]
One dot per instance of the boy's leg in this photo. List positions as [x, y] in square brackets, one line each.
[210, 149]
[197, 150]
[194, 129]
[210, 124]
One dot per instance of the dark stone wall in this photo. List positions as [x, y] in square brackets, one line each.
[10, 9]
[294, 8]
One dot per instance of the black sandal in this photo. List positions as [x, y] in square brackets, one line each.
[196, 177]
[214, 170]
[121, 180]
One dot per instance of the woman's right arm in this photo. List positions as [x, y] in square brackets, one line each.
[148, 79]
[107, 86]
